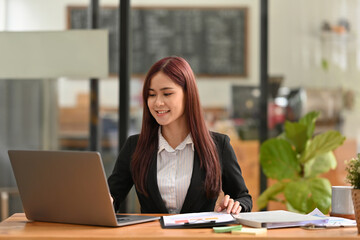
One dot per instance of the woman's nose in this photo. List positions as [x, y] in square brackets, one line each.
[159, 101]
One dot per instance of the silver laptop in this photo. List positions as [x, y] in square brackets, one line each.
[66, 187]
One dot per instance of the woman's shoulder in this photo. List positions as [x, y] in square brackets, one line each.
[219, 137]
[131, 141]
[133, 138]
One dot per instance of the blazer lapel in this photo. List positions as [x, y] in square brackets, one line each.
[153, 189]
[196, 188]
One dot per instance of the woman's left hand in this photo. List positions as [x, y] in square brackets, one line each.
[229, 204]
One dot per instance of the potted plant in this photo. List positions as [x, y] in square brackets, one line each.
[295, 159]
[353, 177]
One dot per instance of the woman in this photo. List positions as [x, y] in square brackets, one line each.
[176, 164]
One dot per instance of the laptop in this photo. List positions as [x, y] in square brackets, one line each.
[67, 187]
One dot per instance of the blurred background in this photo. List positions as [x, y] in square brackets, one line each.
[314, 64]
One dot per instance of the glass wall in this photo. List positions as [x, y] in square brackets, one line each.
[314, 47]
[314, 63]
[70, 103]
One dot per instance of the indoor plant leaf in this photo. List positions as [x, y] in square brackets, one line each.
[321, 144]
[296, 133]
[270, 193]
[296, 193]
[291, 208]
[320, 164]
[278, 159]
[353, 173]
[307, 194]
[309, 121]
[298, 157]
[321, 194]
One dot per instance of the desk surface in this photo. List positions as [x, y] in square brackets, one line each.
[18, 227]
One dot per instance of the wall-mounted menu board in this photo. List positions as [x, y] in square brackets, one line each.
[213, 40]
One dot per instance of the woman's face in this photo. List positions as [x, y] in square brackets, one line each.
[166, 101]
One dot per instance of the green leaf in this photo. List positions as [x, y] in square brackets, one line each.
[278, 159]
[296, 133]
[321, 192]
[320, 164]
[321, 144]
[352, 169]
[325, 64]
[281, 136]
[296, 193]
[309, 121]
[269, 194]
[291, 208]
[305, 195]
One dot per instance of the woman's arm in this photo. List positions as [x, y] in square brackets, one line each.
[233, 183]
[120, 181]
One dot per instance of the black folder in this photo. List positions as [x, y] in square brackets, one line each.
[197, 220]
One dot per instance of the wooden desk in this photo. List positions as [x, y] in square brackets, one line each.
[18, 227]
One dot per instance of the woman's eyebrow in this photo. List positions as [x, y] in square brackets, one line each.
[162, 89]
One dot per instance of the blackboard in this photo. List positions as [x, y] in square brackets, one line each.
[212, 40]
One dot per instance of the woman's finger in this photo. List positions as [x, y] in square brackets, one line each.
[239, 209]
[226, 201]
[235, 207]
[230, 205]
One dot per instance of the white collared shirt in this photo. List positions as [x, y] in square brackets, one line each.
[174, 171]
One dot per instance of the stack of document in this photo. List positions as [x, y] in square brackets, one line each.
[277, 219]
[333, 221]
[263, 219]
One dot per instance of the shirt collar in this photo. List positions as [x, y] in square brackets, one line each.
[164, 145]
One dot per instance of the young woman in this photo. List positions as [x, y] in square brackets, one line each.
[176, 164]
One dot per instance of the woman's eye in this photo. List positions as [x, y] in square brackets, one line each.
[151, 95]
[167, 94]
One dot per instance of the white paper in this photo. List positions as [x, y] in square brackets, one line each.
[333, 221]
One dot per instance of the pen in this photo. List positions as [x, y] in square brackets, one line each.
[199, 221]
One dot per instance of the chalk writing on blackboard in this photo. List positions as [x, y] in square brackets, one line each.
[213, 40]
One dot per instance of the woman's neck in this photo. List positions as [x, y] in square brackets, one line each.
[174, 135]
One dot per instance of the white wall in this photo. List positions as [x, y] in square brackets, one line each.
[3, 7]
[296, 47]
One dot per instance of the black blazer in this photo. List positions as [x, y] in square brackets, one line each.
[120, 181]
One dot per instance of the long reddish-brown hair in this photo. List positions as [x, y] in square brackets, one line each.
[178, 70]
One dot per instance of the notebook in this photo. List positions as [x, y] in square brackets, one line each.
[277, 219]
[66, 187]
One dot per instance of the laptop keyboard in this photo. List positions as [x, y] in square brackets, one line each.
[121, 218]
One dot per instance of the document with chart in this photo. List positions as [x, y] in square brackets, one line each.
[191, 220]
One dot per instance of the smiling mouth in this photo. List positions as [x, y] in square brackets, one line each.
[163, 111]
